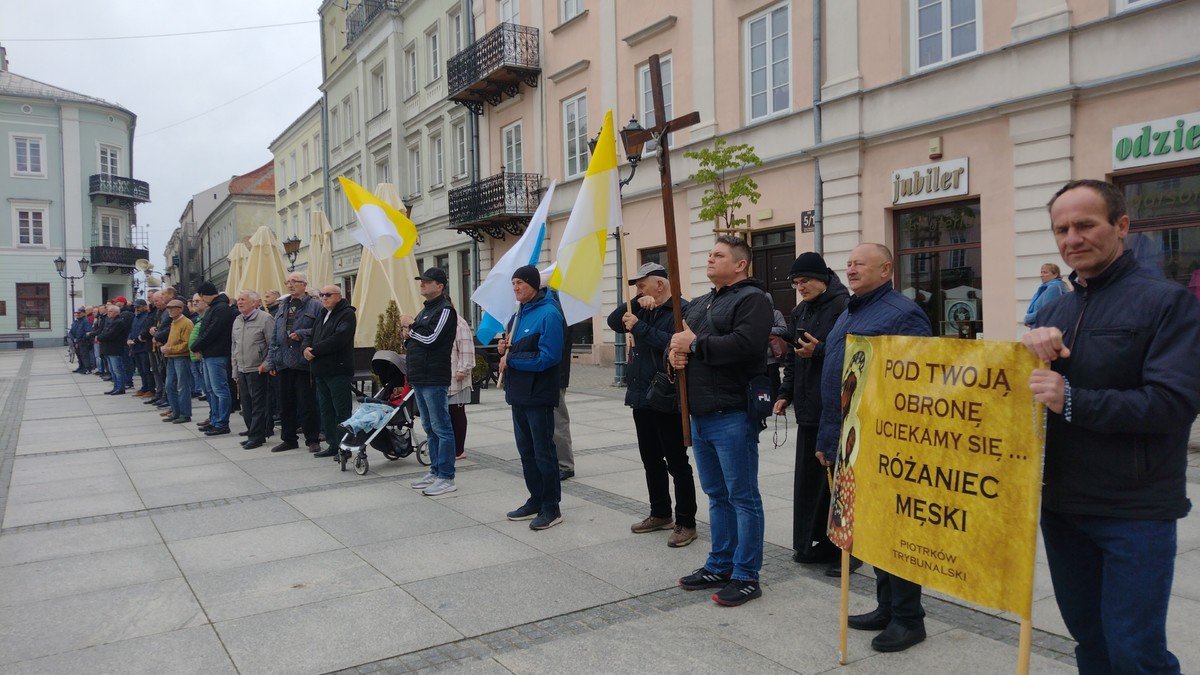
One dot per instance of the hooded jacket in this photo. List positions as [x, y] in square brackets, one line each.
[651, 335]
[534, 353]
[332, 341]
[216, 336]
[802, 377]
[1134, 371]
[430, 341]
[286, 353]
[732, 325]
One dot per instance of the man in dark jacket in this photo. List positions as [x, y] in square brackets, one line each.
[659, 431]
[530, 356]
[875, 309]
[213, 345]
[101, 318]
[159, 333]
[823, 297]
[294, 321]
[428, 341]
[723, 346]
[80, 327]
[1123, 389]
[138, 348]
[329, 351]
[113, 348]
[126, 357]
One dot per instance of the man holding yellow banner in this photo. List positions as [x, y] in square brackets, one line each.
[875, 308]
[1123, 387]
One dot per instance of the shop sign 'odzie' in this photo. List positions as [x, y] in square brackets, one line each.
[1170, 139]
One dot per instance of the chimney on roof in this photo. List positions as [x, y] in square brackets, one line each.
[3, 59]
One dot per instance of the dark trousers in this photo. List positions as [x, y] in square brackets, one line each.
[274, 396]
[142, 360]
[83, 350]
[1112, 581]
[297, 406]
[533, 426]
[664, 457]
[256, 411]
[458, 419]
[333, 399]
[810, 495]
[159, 364]
[900, 598]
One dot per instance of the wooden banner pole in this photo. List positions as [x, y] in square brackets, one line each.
[1024, 646]
[844, 612]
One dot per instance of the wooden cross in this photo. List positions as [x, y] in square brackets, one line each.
[661, 133]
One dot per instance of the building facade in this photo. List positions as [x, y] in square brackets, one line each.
[248, 205]
[940, 129]
[182, 253]
[67, 193]
[299, 180]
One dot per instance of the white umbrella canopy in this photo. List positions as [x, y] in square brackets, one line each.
[237, 269]
[320, 253]
[264, 266]
[382, 280]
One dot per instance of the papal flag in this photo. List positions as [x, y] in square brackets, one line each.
[383, 230]
[579, 264]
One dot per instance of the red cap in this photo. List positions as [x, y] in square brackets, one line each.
[121, 299]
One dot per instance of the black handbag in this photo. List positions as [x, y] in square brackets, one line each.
[662, 395]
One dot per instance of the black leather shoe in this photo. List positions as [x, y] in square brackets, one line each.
[250, 445]
[835, 568]
[328, 452]
[243, 433]
[315, 446]
[811, 557]
[216, 431]
[897, 637]
[876, 619]
[564, 474]
[285, 446]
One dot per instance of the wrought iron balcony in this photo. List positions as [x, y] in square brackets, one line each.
[494, 66]
[116, 258]
[119, 188]
[362, 16]
[495, 205]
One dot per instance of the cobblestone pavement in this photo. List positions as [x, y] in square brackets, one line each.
[129, 545]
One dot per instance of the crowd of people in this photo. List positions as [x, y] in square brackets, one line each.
[1121, 383]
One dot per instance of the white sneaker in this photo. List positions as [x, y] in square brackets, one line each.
[423, 482]
[440, 487]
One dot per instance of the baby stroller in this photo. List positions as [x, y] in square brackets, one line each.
[383, 421]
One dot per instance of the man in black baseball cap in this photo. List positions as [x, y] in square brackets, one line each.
[434, 274]
[429, 340]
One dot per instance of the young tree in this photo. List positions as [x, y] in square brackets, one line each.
[387, 332]
[723, 167]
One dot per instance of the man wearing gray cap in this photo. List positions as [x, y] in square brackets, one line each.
[657, 423]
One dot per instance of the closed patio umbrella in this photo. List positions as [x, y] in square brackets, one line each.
[264, 267]
[320, 253]
[237, 269]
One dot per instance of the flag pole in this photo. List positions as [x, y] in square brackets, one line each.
[508, 338]
[628, 295]
[844, 611]
[1024, 646]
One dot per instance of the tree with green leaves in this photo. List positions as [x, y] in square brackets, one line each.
[387, 331]
[723, 168]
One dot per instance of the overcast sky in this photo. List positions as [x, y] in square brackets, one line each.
[166, 80]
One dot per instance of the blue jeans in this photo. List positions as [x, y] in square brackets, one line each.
[179, 385]
[220, 401]
[197, 378]
[130, 366]
[435, 417]
[101, 361]
[533, 426]
[116, 366]
[725, 447]
[1112, 580]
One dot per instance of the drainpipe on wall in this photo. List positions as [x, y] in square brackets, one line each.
[62, 207]
[326, 195]
[473, 121]
[818, 187]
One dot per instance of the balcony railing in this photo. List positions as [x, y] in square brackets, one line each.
[495, 205]
[362, 16]
[118, 187]
[115, 257]
[494, 66]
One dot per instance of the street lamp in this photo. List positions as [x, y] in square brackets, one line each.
[60, 265]
[291, 248]
[633, 153]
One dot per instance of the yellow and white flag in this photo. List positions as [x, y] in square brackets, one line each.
[597, 211]
[383, 230]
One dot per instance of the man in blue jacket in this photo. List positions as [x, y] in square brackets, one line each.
[80, 341]
[294, 321]
[139, 349]
[1123, 389]
[875, 308]
[530, 355]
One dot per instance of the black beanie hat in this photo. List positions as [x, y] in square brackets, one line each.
[530, 275]
[811, 265]
[206, 288]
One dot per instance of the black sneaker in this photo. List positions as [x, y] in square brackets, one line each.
[703, 578]
[216, 431]
[737, 592]
[545, 521]
[525, 512]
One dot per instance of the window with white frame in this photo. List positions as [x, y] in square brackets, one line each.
[335, 216]
[31, 226]
[410, 70]
[347, 120]
[569, 9]
[335, 138]
[295, 224]
[307, 166]
[459, 133]
[318, 160]
[456, 32]
[768, 62]
[1123, 5]
[383, 170]
[510, 11]
[944, 30]
[414, 169]
[646, 97]
[434, 48]
[513, 157]
[575, 139]
[110, 160]
[110, 230]
[307, 225]
[27, 155]
[379, 101]
[437, 171]
[291, 175]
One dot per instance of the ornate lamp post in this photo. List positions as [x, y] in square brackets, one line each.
[291, 248]
[60, 264]
[633, 153]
